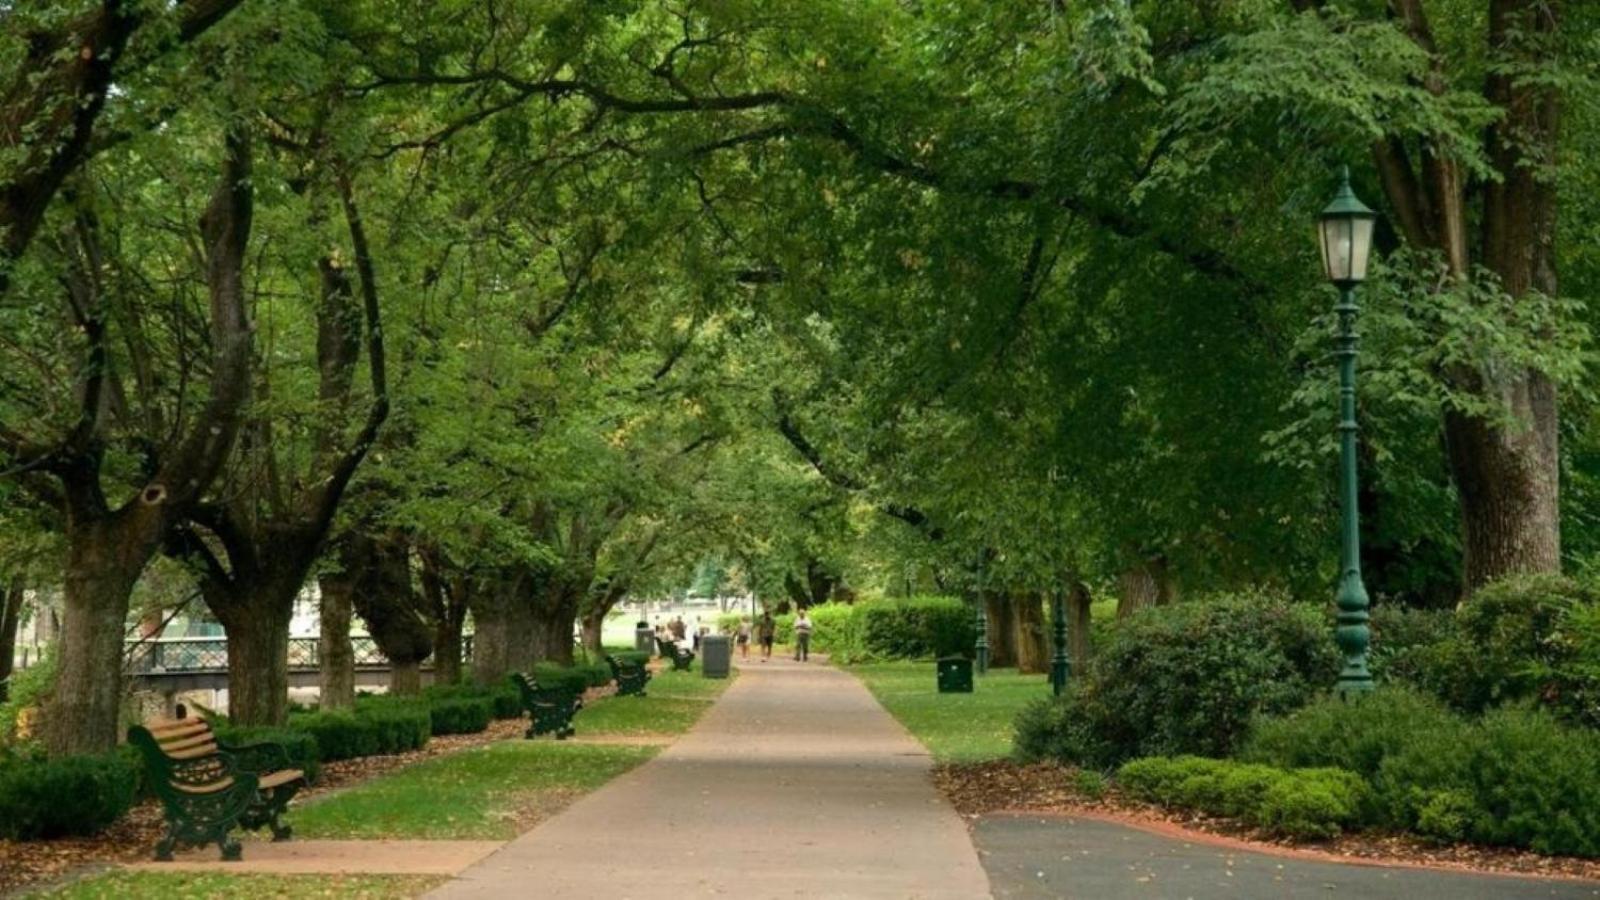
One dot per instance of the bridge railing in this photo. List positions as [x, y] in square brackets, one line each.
[210, 654]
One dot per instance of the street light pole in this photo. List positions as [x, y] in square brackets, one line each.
[1346, 231]
[1058, 661]
[982, 647]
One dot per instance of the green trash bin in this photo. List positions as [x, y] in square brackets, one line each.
[955, 675]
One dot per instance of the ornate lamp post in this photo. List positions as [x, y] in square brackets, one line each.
[1345, 228]
[1058, 660]
[981, 649]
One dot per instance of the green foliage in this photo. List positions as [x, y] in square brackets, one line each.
[574, 680]
[1184, 679]
[301, 746]
[637, 657]
[460, 715]
[29, 689]
[1514, 777]
[64, 797]
[378, 726]
[504, 702]
[915, 628]
[1297, 803]
[1406, 643]
[1531, 637]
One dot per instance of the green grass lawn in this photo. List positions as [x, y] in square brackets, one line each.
[117, 885]
[674, 702]
[954, 727]
[475, 794]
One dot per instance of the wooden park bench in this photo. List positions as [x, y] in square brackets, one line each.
[682, 657]
[208, 788]
[631, 677]
[550, 709]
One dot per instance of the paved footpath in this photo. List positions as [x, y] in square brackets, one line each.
[795, 784]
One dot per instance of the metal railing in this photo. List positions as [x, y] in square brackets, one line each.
[210, 654]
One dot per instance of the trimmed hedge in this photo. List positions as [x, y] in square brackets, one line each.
[301, 746]
[638, 657]
[880, 629]
[1184, 679]
[573, 679]
[378, 726]
[459, 715]
[504, 703]
[1515, 777]
[1297, 803]
[68, 796]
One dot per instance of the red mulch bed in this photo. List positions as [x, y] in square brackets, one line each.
[133, 837]
[1001, 786]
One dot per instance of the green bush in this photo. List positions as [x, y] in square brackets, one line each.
[637, 657]
[915, 628]
[504, 702]
[67, 796]
[1517, 778]
[459, 715]
[1298, 803]
[1357, 735]
[1407, 644]
[1184, 679]
[301, 746]
[1529, 637]
[570, 679]
[378, 726]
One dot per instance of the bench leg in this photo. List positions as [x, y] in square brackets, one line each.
[232, 850]
[167, 844]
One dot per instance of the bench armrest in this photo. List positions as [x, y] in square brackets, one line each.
[259, 757]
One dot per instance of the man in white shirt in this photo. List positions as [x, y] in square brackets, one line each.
[802, 636]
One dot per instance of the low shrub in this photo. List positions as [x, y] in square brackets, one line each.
[377, 726]
[301, 746]
[915, 628]
[66, 796]
[1357, 735]
[1184, 679]
[459, 715]
[1531, 637]
[1407, 645]
[1297, 803]
[637, 657]
[29, 688]
[504, 703]
[571, 679]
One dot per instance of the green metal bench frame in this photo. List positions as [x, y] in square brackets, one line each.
[631, 677]
[682, 657]
[550, 710]
[207, 788]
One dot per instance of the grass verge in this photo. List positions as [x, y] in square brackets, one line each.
[954, 727]
[490, 793]
[177, 885]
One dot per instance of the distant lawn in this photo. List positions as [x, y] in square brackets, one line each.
[954, 727]
[476, 794]
[674, 701]
[167, 885]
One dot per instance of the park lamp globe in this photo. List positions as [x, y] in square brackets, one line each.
[1346, 232]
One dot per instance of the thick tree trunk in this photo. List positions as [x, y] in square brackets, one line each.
[1506, 478]
[552, 619]
[1079, 645]
[593, 624]
[10, 621]
[447, 651]
[445, 600]
[105, 557]
[386, 601]
[1032, 643]
[337, 664]
[1002, 631]
[499, 615]
[257, 626]
[405, 678]
[1146, 583]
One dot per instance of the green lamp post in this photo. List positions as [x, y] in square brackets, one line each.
[981, 650]
[1058, 660]
[1345, 228]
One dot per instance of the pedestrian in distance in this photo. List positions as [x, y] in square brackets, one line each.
[767, 630]
[743, 637]
[802, 636]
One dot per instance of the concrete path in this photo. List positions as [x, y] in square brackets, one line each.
[795, 784]
[1060, 857]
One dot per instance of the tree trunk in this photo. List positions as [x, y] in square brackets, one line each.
[1146, 583]
[257, 626]
[1002, 630]
[1032, 644]
[498, 615]
[10, 621]
[593, 625]
[405, 678]
[445, 600]
[105, 557]
[337, 663]
[1079, 601]
[1506, 478]
[552, 621]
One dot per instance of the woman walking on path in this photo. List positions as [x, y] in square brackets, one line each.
[802, 636]
[743, 640]
[767, 631]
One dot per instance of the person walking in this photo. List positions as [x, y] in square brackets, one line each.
[768, 629]
[802, 636]
[743, 639]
